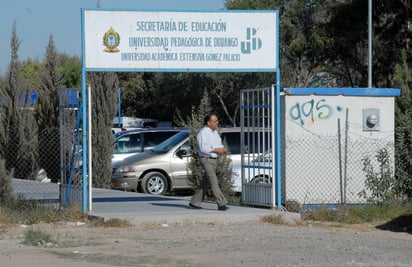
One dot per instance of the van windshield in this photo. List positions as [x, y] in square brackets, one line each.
[171, 142]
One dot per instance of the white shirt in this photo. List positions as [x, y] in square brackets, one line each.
[207, 140]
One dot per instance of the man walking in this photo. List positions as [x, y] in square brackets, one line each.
[210, 147]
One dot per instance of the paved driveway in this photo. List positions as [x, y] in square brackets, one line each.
[143, 208]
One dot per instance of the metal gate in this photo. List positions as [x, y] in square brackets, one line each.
[259, 149]
[70, 148]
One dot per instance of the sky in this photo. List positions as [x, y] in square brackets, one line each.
[37, 19]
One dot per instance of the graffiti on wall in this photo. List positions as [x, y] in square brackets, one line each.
[307, 113]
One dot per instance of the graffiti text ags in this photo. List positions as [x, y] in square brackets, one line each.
[311, 111]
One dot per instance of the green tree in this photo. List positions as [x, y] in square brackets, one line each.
[159, 95]
[403, 80]
[379, 183]
[69, 70]
[332, 37]
[19, 138]
[47, 113]
[225, 92]
[348, 28]
[137, 98]
[181, 90]
[30, 71]
[403, 131]
[103, 87]
[303, 41]
[70, 67]
[6, 190]
[392, 31]
[195, 122]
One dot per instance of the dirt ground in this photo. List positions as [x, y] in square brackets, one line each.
[206, 244]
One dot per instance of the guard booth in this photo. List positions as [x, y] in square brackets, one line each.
[260, 150]
[328, 135]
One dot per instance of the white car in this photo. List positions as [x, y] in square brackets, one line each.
[259, 170]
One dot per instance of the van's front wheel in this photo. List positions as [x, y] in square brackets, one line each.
[154, 183]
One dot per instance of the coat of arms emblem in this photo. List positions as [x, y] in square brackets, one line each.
[111, 40]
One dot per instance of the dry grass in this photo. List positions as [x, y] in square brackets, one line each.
[113, 223]
[31, 212]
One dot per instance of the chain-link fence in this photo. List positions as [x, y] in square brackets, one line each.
[47, 163]
[37, 163]
[71, 159]
[329, 169]
[317, 169]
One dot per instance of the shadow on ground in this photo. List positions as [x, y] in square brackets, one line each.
[400, 224]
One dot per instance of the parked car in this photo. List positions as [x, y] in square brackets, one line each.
[129, 123]
[127, 143]
[237, 177]
[132, 142]
[164, 168]
[257, 171]
[260, 169]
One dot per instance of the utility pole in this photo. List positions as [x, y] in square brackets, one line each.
[370, 43]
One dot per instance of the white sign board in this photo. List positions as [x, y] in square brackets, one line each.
[180, 41]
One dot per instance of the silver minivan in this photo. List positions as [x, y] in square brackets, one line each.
[164, 168]
[132, 142]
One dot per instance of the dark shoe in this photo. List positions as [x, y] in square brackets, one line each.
[223, 207]
[193, 206]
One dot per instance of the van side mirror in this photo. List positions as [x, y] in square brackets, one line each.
[181, 153]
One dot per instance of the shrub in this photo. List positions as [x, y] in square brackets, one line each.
[224, 171]
[6, 191]
[379, 184]
[37, 238]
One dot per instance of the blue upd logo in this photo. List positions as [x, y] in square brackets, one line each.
[251, 43]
